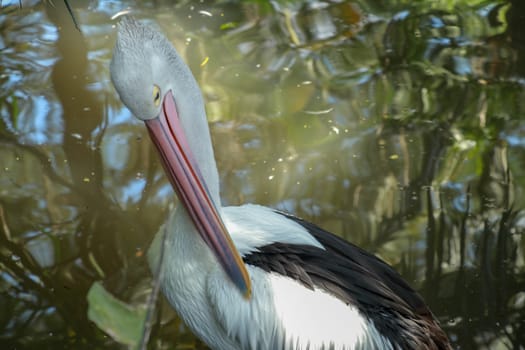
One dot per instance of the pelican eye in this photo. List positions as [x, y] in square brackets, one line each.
[156, 95]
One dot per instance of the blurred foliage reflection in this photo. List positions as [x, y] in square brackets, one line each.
[397, 125]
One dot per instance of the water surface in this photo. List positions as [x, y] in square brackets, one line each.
[398, 126]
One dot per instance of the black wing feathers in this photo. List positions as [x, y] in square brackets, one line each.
[390, 282]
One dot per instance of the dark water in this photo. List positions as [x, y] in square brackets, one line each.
[398, 125]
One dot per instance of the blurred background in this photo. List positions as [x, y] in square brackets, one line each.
[398, 125]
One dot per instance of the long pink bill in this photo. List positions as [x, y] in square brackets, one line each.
[182, 170]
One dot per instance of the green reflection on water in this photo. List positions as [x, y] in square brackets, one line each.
[397, 127]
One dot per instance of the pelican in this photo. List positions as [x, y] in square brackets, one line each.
[250, 277]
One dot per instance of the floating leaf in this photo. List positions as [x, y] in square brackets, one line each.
[122, 322]
[228, 25]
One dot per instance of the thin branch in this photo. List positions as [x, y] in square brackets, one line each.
[70, 10]
[153, 297]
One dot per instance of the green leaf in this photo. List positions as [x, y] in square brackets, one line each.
[228, 25]
[124, 323]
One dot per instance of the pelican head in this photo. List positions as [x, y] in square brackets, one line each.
[159, 89]
[139, 68]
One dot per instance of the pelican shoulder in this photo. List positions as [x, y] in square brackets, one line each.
[254, 226]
